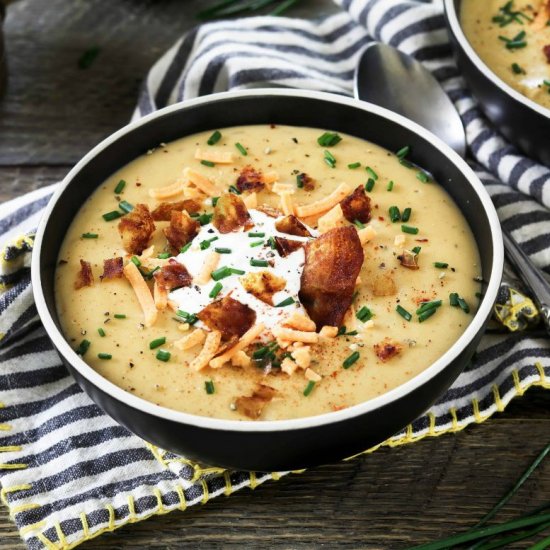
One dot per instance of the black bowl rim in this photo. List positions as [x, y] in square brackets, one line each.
[456, 29]
[424, 377]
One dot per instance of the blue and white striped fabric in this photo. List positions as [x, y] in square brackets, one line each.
[68, 472]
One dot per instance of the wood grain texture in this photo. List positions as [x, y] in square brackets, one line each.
[51, 115]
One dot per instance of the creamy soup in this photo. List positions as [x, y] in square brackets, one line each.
[277, 272]
[513, 38]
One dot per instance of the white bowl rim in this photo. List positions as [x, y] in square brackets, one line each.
[297, 423]
[456, 27]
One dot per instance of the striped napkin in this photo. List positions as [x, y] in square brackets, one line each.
[68, 472]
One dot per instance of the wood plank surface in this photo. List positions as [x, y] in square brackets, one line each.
[51, 115]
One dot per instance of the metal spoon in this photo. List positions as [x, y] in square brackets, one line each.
[404, 86]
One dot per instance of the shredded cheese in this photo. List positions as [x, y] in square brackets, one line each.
[143, 294]
[246, 339]
[211, 345]
[326, 203]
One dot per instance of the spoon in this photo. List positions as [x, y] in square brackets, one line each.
[405, 86]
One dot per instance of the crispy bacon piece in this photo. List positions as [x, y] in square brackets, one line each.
[136, 229]
[263, 285]
[333, 262]
[270, 211]
[546, 52]
[308, 183]
[181, 230]
[408, 259]
[228, 316]
[250, 180]
[292, 226]
[112, 268]
[356, 206]
[163, 212]
[231, 214]
[285, 247]
[173, 275]
[84, 277]
[253, 405]
[387, 349]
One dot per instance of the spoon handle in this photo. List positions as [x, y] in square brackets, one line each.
[530, 275]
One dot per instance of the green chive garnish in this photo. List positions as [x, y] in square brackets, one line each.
[299, 181]
[163, 355]
[256, 243]
[372, 174]
[119, 187]
[157, 342]
[405, 163]
[329, 139]
[364, 314]
[259, 263]
[119, 316]
[214, 138]
[236, 271]
[426, 314]
[163, 256]
[205, 219]
[342, 332]
[369, 186]
[83, 347]
[309, 387]
[234, 190]
[354, 165]
[517, 69]
[409, 229]
[241, 149]
[404, 313]
[215, 200]
[256, 234]
[286, 302]
[216, 289]
[110, 216]
[89, 235]
[208, 163]
[359, 224]
[453, 299]
[416, 249]
[206, 243]
[348, 361]
[126, 206]
[135, 261]
[463, 305]
[101, 332]
[422, 176]
[272, 243]
[223, 250]
[425, 306]
[209, 387]
[390, 186]
[403, 152]
[406, 214]
[149, 275]
[329, 159]
[221, 273]
[394, 213]
[441, 265]
[104, 355]
[186, 247]
[190, 318]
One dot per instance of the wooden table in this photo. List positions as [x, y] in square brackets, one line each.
[51, 115]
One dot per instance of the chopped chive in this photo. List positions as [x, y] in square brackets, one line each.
[329, 159]
[163, 256]
[190, 318]
[135, 261]
[364, 314]
[358, 224]
[406, 163]
[215, 200]
[299, 181]
[416, 249]
[405, 217]
[163, 355]
[89, 235]
[453, 299]
[260, 353]
[426, 314]
[256, 243]
[119, 187]
[463, 305]
[126, 206]
[409, 229]
[252, 234]
[479, 295]
[403, 152]
[372, 174]
[157, 342]
[208, 163]
[342, 332]
[186, 247]
[348, 361]
[259, 263]
[390, 186]
[206, 243]
[394, 213]
[272, 243]
[441, 265]
[517, 69]
[286, 302]
[221, 273]
[425, 306]
[214, 138]
[101, 332]
[329, 139]
[309, 387]
[223, 250]
[422, 176]
[354, 165]
[83, 347]
[369, 186]
[119, 316]
[104, 355]
[216, 289]
[234, 190]
[404, 313]
[236, 271]
[209, 387]
[205, 219]
[241, 149]
[150, 274]
[110, 216]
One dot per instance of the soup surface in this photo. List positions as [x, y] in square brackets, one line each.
[513, 38]
[326, 273]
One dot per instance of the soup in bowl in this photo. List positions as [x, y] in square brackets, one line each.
[244, 293]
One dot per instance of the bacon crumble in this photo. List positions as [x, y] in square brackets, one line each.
[84, 277]
[163, 212]
[285, 247]
[112, 268]
[181, 230]
[173, 275]
[136, 229]
[228, 316]
[250, 180]
[356, 206]
[231, 214]
[546, 52]
[387, 349]
[253, 405]
[291, 225]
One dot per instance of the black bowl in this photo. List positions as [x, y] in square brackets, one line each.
[525, 123]
[288, 444]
